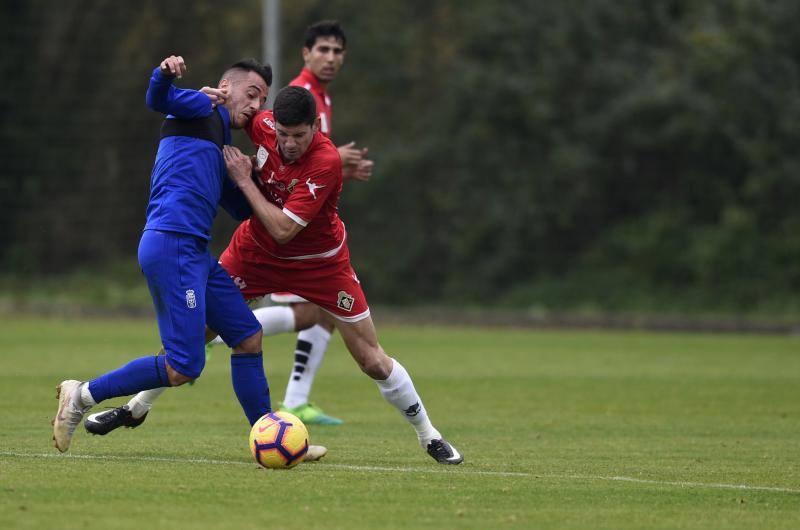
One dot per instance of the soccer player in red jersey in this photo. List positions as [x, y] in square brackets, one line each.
[296, 242]
[324, 52]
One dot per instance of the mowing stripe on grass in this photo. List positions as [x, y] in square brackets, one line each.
[450, 470]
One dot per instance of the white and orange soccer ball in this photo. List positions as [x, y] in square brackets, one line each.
[279, 440]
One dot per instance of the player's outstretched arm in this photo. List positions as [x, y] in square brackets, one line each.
[163, 97]
[279, 225]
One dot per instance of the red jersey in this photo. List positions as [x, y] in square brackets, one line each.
[307, 190]
[309, 81]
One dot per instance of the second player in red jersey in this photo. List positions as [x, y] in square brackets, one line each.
[308, 80]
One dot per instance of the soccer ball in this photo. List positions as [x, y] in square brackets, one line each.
[278, 440]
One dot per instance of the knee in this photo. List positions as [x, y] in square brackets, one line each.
[305, 315]
[176, 378]
[376, 364]
[251, 344]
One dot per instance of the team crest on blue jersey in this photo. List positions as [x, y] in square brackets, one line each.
[345, 301]
[191, 301]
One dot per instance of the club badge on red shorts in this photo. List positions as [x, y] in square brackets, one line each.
[345, 301]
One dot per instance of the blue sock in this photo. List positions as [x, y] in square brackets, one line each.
[140, 374]
[250, 384]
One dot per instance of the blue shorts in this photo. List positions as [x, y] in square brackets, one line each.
[191, 290]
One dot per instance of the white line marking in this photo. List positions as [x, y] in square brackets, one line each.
[699, 484]
[448, 470]
[130, 458]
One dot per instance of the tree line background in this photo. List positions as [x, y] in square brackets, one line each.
[610, 155]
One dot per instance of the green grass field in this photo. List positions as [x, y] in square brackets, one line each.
[560, 429]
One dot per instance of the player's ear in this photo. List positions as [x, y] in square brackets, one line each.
[224, 84]
[316, 125]
[306, 54]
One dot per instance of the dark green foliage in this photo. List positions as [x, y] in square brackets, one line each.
[611, 155]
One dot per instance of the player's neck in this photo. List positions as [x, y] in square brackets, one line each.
[320, 82]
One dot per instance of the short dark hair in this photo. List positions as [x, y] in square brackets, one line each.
[294, 105]
[324, 28]
[251, 65]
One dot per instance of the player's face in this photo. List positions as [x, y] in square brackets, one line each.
[246, 94]
[294, 141]
[325, 58]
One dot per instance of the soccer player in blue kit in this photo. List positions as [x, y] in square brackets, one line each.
[189, 288]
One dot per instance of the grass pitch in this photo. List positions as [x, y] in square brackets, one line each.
[560, 429]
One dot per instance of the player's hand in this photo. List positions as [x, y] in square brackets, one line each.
[351, 154]
[361, 171]
[239, 165]
[218, 96]
[173, 66]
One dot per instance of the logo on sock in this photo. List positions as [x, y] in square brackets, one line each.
[413, 410]
[345, 301]
[191, 301]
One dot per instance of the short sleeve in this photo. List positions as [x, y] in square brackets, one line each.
[261, 129]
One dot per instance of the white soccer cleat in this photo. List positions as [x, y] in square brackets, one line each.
[69, 415]
[315, 452]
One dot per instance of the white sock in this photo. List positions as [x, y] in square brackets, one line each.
[275, 319]
[398, 389]
[141, 403]
[85, 397]
[308, 355]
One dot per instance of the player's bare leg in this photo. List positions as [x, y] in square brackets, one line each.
[312, 343]
[396, 386]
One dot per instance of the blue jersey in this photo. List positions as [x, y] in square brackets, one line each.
[189, 178]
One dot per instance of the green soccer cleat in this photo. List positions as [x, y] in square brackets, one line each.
[312, 415]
